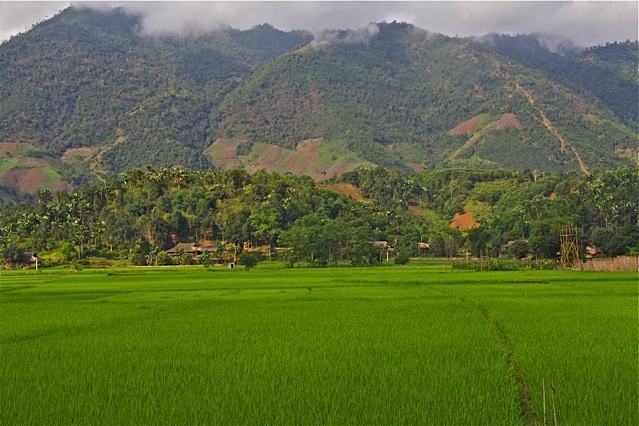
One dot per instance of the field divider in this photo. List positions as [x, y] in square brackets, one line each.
[525, 399]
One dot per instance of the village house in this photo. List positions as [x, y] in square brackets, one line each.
[191, 249]
[28, 258]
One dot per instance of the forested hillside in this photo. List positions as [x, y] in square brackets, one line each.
[412, 98]
[86, 89]
[144, 213]
[84, 97]
[606, 73]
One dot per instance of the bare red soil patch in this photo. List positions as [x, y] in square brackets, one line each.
[270, 155]
[417, 167]
[9, 147]
[462, 221]
[467, 126]
[31, 180]
[223, 153]
[224, 149]
[552, 195]
[508, 120]
[336, 169]
[416, 210]
[346, 189]
[303, 158]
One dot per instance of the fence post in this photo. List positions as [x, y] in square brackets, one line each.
[543, 385]
[554, 405]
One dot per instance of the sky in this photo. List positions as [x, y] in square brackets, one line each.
[586, 23]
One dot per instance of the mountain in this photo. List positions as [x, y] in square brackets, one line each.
[83, 96]
[606, 74]
[412, 98]
[90, 96]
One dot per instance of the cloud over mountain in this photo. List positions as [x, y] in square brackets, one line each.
[586, 23]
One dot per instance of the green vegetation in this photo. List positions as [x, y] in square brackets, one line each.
[390, 92]
[397, 345]
[94, 82]
[87, 80]
[607, 72]
[146, 213]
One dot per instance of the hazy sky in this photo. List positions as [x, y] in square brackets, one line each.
[586, 23]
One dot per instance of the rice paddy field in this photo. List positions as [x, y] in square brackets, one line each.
[396, 345]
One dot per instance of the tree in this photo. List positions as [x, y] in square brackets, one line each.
[12, 254]
[206, 259]
[403, 257]
[544, 238]
[248, 260]
[186, 258]
[163, 259]
[67, 252]
[518, 249]
[138, 254]
[479, 237]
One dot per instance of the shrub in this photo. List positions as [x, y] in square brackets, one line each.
[518, 249]
[206, 259]
[248, 260]
[163, 258]
[186, 259]
[504, 265]
[68, 253]
[403, 257]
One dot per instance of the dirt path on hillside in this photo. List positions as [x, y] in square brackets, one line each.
[554, 131]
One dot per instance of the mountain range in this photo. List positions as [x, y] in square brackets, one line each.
[83, 97]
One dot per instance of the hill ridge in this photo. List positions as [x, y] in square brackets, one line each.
[86, 79]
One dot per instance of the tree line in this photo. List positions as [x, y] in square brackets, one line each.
[144, 213]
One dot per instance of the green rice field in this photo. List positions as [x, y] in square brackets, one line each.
[397, 345]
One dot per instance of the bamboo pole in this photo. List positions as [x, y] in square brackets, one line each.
[543, 385]
[554, 405]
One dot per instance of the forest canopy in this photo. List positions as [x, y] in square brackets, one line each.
[345, 219]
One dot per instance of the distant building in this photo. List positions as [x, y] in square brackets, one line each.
[385, 249]
[423, 248]
[28, 258]
[592, 252]
[190, 248]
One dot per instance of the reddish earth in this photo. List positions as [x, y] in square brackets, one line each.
[550, 127]
[508, 120]
[270, 155]
[552, 195]
[416, 210]
[303, 158]
[417, 167]
[9, 147]
[334, 170]
[346, 189]
[31, 180]
[462, 221]
[223, 153]
[301, 161]
[226, 149]
[467, 126]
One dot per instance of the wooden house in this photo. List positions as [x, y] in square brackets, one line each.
[28, 258]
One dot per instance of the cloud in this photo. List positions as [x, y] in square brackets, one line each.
[585, 22]
[359, 36]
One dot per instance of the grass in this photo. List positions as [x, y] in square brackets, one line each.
[396, 345]
[333, 152]
[7, 164]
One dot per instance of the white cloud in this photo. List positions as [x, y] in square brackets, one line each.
[585, 22]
